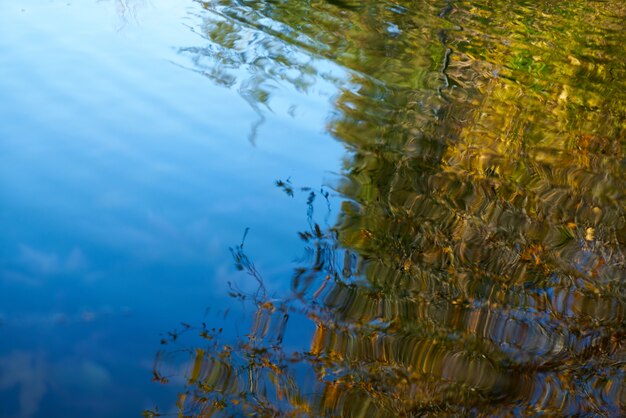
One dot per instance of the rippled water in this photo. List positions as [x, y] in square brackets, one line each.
[434, 192]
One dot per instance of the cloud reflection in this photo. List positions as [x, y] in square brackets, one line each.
[35, 378]
[27, 371]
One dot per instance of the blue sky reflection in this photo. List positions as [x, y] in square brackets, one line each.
[124, 178]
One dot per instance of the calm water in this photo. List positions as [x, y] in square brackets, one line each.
[327, 208]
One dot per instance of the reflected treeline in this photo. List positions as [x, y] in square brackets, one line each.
[477, 266]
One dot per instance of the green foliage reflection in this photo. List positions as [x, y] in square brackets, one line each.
[477, 266]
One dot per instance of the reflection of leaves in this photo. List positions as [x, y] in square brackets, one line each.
[286, 186]
[478, 261]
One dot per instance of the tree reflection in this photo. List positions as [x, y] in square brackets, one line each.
[477, 265]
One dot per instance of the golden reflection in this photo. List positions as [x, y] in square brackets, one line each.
[477, 265]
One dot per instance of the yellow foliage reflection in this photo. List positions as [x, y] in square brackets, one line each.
[477, 266]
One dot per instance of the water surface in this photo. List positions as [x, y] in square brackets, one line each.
[434, 193]
[124, 178]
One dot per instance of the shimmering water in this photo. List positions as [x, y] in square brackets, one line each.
[434, 192]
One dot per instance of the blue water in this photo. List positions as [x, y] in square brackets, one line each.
[125, 176]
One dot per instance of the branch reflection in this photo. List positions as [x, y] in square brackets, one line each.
[477, 266]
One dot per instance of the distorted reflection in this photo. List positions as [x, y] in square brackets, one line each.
[127, 10]
[477, 265]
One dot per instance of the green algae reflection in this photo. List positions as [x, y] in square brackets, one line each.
[477, 266]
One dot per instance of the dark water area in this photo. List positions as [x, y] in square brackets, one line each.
[312, 208]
